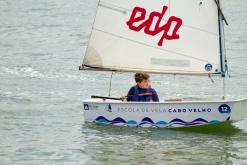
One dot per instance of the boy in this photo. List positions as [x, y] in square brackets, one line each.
[142, 91]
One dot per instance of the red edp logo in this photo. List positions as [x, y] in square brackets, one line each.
[138, 21]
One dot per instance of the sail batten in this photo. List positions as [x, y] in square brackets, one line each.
[152, 36]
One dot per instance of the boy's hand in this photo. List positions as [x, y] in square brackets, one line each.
[123, 98]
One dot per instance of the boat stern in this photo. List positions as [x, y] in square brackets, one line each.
[239, 110]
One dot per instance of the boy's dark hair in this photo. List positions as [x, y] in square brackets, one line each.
[139, 77]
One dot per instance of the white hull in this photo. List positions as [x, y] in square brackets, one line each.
[163, 114]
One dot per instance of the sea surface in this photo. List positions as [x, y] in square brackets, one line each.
[42, 43]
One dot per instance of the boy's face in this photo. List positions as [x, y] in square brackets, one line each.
[144, 84]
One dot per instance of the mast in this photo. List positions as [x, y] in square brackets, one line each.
[221, 39]
[222, 46]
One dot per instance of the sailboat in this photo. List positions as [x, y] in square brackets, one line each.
[160, 37]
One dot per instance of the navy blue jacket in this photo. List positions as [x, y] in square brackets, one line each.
[135, 90]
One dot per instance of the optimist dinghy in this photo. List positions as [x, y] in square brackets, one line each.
[164, 37]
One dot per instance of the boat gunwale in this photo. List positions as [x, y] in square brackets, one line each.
[100, 101]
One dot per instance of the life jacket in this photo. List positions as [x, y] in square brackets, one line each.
[136, 96]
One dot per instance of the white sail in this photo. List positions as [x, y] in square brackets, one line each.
[127, 36]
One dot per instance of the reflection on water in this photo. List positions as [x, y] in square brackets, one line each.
[200, 145]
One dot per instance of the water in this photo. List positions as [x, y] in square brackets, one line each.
[41, 90]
